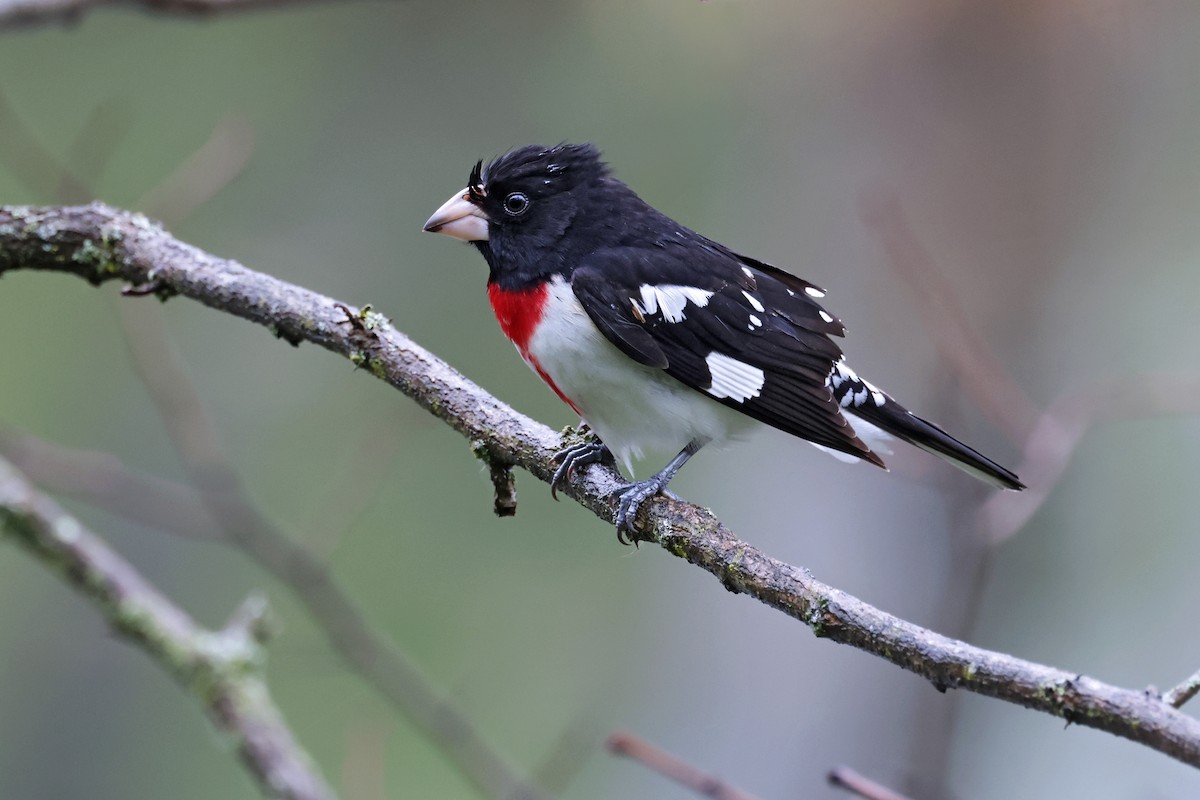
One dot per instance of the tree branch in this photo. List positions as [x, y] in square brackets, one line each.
[860, 786]
[223, 668]
[667, 765]
[991, 386]
[15, 13]
[1183, 692]
[1056, 437]
[99, 243]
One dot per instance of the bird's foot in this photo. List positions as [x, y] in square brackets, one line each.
[632, 496]
[572, 458]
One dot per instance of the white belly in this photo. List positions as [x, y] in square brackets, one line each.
[636, 410]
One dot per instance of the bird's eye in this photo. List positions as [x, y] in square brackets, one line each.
[516, 204]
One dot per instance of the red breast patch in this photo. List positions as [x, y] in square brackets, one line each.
[518, 312]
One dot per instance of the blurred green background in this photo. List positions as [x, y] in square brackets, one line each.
[1044, 156]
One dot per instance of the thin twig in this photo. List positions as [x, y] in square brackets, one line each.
[102, 480]
[504, 483]
[14, 13]
[224, 669]
[990, 385]
[1183, 692]
[1057, 435]
[667, 765]
[99, 244]
[95, 143]
[851, 781]
[27, 158]
[213, 166]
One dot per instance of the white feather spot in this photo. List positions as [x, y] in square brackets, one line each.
[734, 379]
[755, 322]
[793, 294]
[840, 374]
[753, 301]
[813, 291]
[746, 270]
[825, 316]
[671, 299]
[876, 395]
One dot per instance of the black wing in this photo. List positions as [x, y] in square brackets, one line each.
[675, 305]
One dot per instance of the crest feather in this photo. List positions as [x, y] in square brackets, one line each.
[572, 163]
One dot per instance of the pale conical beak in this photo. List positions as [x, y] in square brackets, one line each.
[460, 218]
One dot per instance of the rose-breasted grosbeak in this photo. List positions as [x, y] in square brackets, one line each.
[659, 338]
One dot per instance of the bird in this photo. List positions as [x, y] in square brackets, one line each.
[659, 338]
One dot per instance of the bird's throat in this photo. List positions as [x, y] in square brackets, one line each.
[518, 311]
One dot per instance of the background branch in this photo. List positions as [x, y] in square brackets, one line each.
[99, 244]
[30, 12]
[667, 765]
[223, 668]
[366, 650]
[1060, 430]
[221, 506]
[860, 786]
[1048, 438]
[985, 378]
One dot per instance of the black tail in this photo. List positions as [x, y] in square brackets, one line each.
[895, 419]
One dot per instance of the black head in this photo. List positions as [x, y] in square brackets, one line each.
[518, 209]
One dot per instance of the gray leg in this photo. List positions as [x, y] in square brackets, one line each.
[635, 493]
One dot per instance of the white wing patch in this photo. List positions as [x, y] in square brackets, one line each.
[671, 299]
[813, 291]
[734, 379]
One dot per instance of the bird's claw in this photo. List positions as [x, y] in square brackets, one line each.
[632, 496]
[575, 456]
